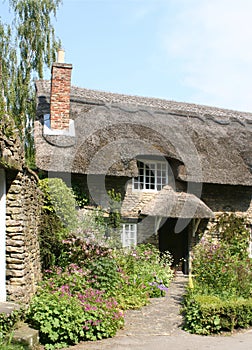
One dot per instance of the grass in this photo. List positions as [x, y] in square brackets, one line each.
[13, 346]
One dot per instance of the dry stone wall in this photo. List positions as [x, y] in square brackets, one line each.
[22, 245]
[23, 203]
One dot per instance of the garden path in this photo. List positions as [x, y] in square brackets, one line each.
[157, 326]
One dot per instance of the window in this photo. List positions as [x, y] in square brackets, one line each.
[129, 235]
[153, 175]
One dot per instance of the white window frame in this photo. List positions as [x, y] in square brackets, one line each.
[153, 175]
[129, 235]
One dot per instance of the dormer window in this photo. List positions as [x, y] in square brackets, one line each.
[153, 175]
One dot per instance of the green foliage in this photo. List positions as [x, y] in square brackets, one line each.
[14, 346]
[205, 314]
[26, 47]
[59, 318]
[115, 209]
[81, 250]
[234, 233]
[51, 235]
[7, 325]
[105, 274]
[220, 297]
[145, 267]
[223, 267]
[59, 199]
[92, 223]
[80, 197]
[143, 273]
[58, 218]
[68, 310]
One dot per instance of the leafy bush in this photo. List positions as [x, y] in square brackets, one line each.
[57, 219]
[80, 197]
[59, 199]
[234, 233]
[67, 310]
[144, 266]
[59, 319]
[222, 267]
[205, 314]
[217, 272]
[51, 237]
[220, 297]
[105, 274]
[82, 250]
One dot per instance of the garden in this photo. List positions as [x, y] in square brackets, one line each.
[219, 296]
[89, 280]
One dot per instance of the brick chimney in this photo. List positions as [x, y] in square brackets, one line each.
[60, 93]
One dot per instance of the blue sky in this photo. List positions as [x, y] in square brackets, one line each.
[185, 50]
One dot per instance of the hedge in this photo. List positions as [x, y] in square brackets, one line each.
[206, 314]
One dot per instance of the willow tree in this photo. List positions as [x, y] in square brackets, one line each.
[27, 46]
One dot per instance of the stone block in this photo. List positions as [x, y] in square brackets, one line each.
[26, 335]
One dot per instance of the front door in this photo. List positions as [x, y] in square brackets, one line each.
[175, 243]
[2, 235]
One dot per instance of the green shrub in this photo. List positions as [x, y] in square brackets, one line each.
[145, 267]
[59, 199]
[222, 267]
[131, 294]
[82, 250]
[221, 297]
[67, 310]
[51, 236]
[80, 197]
[205, 314]
[59, 319]
[233, 231]
[104, 273]
[58, 218]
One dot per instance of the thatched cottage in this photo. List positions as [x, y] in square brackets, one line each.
[20, 203]
[175, 164]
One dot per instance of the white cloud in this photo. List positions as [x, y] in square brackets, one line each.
[212, 44]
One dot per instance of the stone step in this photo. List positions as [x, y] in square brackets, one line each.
[7, 307]
[26, 335]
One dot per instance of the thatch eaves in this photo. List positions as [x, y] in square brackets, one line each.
[169, 203]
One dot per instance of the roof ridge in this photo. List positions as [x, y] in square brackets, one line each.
[85, 94]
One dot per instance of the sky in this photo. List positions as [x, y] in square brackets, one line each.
[197, 51]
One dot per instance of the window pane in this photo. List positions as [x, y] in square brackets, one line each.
[152, 175]
[129, 235]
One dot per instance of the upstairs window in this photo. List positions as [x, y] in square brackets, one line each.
[153, 175]
[129, 235]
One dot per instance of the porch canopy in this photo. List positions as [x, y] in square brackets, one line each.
[169, 203]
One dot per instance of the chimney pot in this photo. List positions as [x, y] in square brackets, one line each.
[60, 56]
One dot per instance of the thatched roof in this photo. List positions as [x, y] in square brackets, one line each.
[212, 145]
[168, 203]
